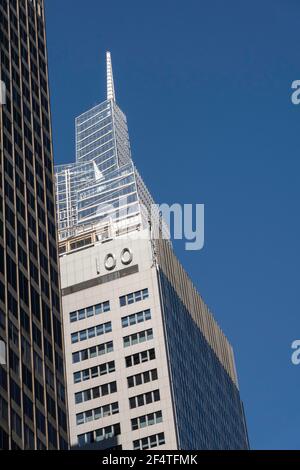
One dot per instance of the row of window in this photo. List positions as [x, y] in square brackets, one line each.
[144, 399]
[91, 332]
[146, 420]
[134, 297]
[109, 367]
[92, 352]
[89, 311]
[108, 432]
[149, 442]
[141, 357]
[94, 372]
[136, 318]
[99, 435]
[137, 338]
[114, 430]
[96, 392]
[130, 340]
[105, 307]
[143, 378]
[97, 413]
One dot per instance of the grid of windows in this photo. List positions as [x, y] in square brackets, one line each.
[99, 434]
[134, 297]
[29, 289]
[146, 420]
[89, 311]
[91, 332]
[94, 372]
[149, 442]
[136, 318]
[143, 378]
[143, 356]
[137, 338]
[97, 413]
[92, 352]
[96, 392]
[144, 399]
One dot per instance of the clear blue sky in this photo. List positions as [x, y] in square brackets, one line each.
[206, 85]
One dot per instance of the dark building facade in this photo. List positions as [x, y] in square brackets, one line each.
[32, 383]
[208, 410]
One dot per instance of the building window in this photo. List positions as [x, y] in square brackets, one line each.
[91, 332]
[16, 423]
[97, 413]
[92, 352]
[80, 243]
[89, 311]
[143, 356]
[134, 297]
[94, 372]
[149, 442]
[136, 318]
[99, 435]
[96, 392]
[137, 338]
[28, 438]
[144, 399]
[143, 378]
[146, 420]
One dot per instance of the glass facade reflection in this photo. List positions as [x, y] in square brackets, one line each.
[102, 187]
[207, 403]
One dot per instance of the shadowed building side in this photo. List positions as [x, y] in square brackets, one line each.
[33, 411]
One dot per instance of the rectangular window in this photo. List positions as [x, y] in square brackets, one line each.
[96, 392]
[94, 372]
[137, 338]
[146, 420]
[144, 377]
[139, 358]
[91, 332]
[73, 317]
[97, 413]
[144, 399]
[82, 335]
[99, 435]
[136, 318]
[149, 442]
[77, 377]
[134, 297]
[76, 357]
[89, 311]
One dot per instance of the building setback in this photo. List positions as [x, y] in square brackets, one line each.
[32, 384]
[147, 365]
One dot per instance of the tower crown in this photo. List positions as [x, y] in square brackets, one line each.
[110, 78]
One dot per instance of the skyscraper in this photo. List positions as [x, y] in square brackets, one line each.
[32, 383]
[147, 365]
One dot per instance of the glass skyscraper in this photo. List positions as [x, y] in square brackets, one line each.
[147, 365]
[33, 411]
[103, 184]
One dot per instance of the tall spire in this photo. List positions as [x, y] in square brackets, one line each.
[110, 78]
